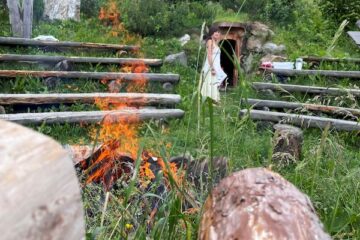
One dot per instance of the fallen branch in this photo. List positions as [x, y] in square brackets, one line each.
[129, 99]
[11, 41]
[156, 77]
[305, 89]
[324, 73]
[301, 120]
[128, 115]
[55, 59]
[259, 103]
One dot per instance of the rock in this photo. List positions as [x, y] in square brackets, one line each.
[178, 58]
[2, 110]
[358, 23]
[287, 144]
[272, 58]
[264, 125]
[272, 48]
[52, 82]
[184, 39]
[168, 87]
[62, 66]
[48, 38]
[247, 63]
[259, 204]
[62, 10]
[254, 44]
[261, 31]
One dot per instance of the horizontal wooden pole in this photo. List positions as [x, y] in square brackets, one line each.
[126, 115]
[328, 59]
[324, 73]
[11, 41]
[305, 89]
[259, 103]
[124, 98]
[92, 75]
[55, 59]
[301, 120]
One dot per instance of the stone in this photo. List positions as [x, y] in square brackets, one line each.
[178, 58]
[247, 63]
[47, 38]
[52, 82]
[2, 110]
[62, 66]
[168, 87]
[257, 203]
[261, 31]
[272, 48]
[273, 58]
[254, 44]
[184, 39]
[198, 170]
[288, 142]
[62, 10]
[358, 23]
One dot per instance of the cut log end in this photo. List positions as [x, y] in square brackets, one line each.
[259, 204]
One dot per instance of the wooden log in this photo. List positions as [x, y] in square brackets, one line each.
[259, 103]
[256, 203]
[324, 73]
[328, 59]
[305, 89]
[114, 98]
[95, 60]
[27, 17]
[15, 18]
[10, 41]
[126, 115]
[301, 120]
[40, 194]
[156, 77]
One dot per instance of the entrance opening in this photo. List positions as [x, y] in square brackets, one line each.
[227, 60]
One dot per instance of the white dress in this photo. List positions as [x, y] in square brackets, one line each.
[211, 83]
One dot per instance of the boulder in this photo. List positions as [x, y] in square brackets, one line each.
[287, 144]
[257, 203]
[62, 10]
[261, 31]
[272, 48]
[178, 58]
[272, 58]
[254, 44]
[184, 39]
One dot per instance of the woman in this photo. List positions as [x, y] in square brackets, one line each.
[212, 73]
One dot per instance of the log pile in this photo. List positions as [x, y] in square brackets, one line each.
[259, 204]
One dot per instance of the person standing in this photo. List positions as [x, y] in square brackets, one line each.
[212, 73]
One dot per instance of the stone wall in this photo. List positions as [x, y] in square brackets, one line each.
[62, 10]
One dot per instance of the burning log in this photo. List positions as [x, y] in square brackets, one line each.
[260, 103]
[259, 204]
[118, 116]
[152, 77]
[324, 73]
[11, 41]
[301, 120]
[95, 60]
[130, 99]
[305, 89]
[40, 194]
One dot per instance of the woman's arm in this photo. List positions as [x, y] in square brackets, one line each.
[209, 47]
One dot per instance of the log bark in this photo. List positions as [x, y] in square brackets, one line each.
[306, 89]
[301, 120]
[328, 59]
[40, 194]
[260, 103]
[56, 59]
[130, 99]
[259, 204]
[325, 73]
[126, 115]
[15, 18]
[27, 18]
[10, 41]
[153, 77]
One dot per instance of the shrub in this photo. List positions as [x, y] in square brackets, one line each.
[90, 8]
[338, 10]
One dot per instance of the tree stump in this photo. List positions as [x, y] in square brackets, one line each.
[287, 144]
[40, 195]
[259, 204]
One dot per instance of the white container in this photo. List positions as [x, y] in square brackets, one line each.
[298, 63]
[283, 65]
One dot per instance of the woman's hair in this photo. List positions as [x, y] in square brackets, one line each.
[211, 31]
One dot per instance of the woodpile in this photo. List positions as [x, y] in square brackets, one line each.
[259, 204]
[40, 193]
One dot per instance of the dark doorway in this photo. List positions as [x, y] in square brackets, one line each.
[227, 59]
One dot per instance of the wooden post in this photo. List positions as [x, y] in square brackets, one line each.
[27, 18]
[15, 19]
[40, 194]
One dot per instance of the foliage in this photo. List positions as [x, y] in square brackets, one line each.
[91, 8]
[38, 10]
[338, 10]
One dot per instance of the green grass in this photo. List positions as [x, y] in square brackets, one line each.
[328, 171]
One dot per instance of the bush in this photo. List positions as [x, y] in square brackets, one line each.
[338, 10]
[91, 8]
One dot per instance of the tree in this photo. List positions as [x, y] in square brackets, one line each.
[21, 15]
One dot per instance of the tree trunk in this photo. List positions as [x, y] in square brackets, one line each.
[15, 18]
[27, 18]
